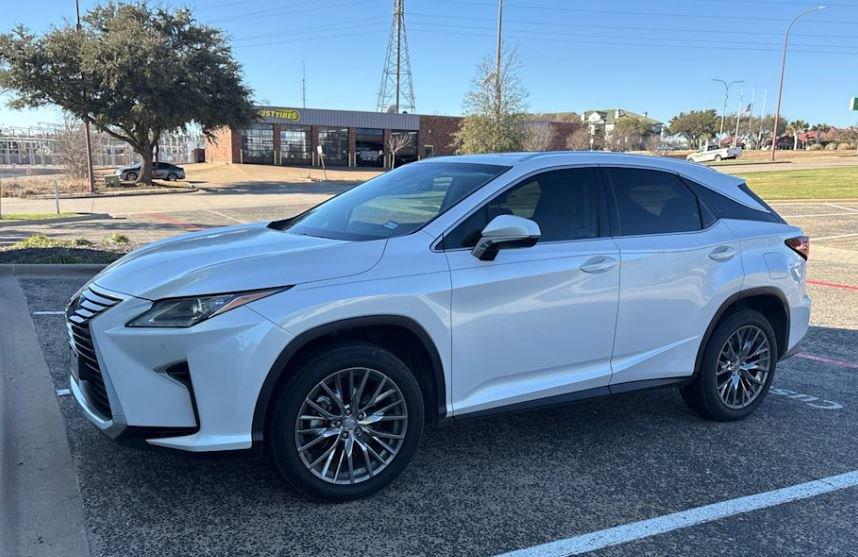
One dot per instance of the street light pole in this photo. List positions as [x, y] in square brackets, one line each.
[726, 96]
[89, 173]
[783, 67]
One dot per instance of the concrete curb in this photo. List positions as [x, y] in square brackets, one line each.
[159, 191]
[47, 270]
[80, 217]
[41, 513]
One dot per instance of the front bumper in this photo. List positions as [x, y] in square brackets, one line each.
[207, 408]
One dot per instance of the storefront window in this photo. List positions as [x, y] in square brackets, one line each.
[257, 144]
[335, 145]
[295, 145]
[369, 147]
[405, 144]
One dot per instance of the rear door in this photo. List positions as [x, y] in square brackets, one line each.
[536, 322]
[679, 264]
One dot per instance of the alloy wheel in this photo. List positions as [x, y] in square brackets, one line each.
[744, 364]
[351, 425]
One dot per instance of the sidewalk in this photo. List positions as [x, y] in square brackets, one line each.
[40, 502]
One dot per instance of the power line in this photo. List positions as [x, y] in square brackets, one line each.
[600, 35]
[637, 45]
[261, 14]
[637, 27]
[634, 13]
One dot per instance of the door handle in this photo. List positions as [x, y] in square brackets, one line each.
[722, 253]
[598, 264]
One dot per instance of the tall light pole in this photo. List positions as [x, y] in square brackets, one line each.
[89, 173]
[783, 67]
[727, 86]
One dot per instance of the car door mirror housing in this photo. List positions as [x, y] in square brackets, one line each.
[503, 232]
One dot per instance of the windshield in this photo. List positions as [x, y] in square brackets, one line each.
[394, 204]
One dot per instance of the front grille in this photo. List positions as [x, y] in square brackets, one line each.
[80, 312]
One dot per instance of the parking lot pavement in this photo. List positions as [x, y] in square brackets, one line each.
[488, 486]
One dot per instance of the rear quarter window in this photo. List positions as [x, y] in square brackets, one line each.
[723, 207]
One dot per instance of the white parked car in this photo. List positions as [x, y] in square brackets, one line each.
[451, 287]
[712, 152]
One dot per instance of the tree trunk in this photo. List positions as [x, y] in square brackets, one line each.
[146, 167]
[795, 142]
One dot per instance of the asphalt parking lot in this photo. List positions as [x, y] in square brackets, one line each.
[494, 485]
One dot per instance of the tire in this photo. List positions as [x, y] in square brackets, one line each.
[717, 158]
[131, 177]
[704, 394]
[172, 177]
[341, 482]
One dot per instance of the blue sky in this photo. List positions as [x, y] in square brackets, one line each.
[657, 57]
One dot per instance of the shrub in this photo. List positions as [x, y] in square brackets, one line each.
[116, 238]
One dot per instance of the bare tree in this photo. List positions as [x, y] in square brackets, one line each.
[579, 140]
[540, 136]
[70, 146]
[655, 145]
[396, 143]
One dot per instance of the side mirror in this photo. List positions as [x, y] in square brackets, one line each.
[505, 231]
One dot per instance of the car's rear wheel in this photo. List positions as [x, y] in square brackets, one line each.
[131, 176]
[347, 423]
[736, 370]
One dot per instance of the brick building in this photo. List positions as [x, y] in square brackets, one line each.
[292, 136]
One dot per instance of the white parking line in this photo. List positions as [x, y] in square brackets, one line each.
[63, 392]
[51, 312]
[692, 517]
[847, 214]
[851, 209]
[218, 213]
[815, 239]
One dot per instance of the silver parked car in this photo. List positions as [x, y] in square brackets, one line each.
[162, 171]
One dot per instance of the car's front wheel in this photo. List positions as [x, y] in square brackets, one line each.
[347, 423]
[131, 177]
[172, 177]
[736, 370]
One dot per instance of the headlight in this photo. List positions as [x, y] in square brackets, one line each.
[187, 312]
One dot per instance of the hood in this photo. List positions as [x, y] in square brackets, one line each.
[232, 259]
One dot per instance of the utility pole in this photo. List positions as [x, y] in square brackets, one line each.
[783, 68]
[303, 84]
[498, 61]
[726, 96]
[89, 173]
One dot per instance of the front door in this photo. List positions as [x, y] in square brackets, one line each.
[536, 322]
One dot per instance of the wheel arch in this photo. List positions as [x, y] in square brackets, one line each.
[402, 335]
[768, 300]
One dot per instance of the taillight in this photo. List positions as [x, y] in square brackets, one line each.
[800, 245]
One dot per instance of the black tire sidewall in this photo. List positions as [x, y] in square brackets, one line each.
[708, 390]
[172, 177]
[281, 435]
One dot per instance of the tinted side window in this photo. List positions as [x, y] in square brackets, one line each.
[653, 202]
[725, 208]
[565, 204]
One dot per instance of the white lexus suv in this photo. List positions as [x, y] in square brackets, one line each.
[451, 287]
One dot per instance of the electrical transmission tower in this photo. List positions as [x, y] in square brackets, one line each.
[396, 93]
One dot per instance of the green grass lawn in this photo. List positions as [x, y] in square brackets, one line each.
[820, 183]
[36, 216]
